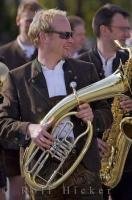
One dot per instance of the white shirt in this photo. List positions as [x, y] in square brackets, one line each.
[55, 79]
[107, 64]
[27, 49]
[56, 86]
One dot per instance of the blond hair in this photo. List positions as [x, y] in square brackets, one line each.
[42, 21]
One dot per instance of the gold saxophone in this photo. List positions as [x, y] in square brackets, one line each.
[118, 138]
[35, 160]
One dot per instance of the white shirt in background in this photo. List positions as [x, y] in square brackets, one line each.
[107, 64]
[27, 49]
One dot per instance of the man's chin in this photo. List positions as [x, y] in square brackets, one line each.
[123, 43]
[119, 44]
[67, 54]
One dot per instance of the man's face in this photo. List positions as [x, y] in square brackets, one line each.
[79, 37]
[24, 22]
[57, 45]
[119, 29]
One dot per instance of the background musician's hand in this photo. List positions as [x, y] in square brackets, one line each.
[40, 136]
[85, 112]
[103, 147]
[126, 103]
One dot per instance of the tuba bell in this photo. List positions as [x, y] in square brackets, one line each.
[35, 160]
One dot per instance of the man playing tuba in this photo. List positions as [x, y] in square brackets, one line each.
[33, 89]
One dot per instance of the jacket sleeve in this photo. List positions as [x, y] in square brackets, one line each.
[11, 126]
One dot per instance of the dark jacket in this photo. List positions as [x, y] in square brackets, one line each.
[13, 56]
[93, 56]
[121, 56]
[26, 100]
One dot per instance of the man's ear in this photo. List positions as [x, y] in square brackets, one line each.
[43, 36]
[103, 29]
[18, 20]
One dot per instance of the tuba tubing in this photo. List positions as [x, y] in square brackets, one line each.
[30, 179]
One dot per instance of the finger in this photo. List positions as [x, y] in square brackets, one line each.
[85, 112]
[83, 106]
[101, 153]
[124, 98]
[126, 102]
[126, 106]
[102, 145]
[85, 116]
[85, 119]
[47, 135]
[45, 140]
[104, 150]
[41, 144]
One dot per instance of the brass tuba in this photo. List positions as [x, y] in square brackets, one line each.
[35, 159]
[118, 138]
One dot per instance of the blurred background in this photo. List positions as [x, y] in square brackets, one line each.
[82, 8]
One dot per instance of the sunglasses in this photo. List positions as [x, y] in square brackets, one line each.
[62, 35]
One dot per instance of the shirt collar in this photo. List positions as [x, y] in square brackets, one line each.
[56, 68]
[28, 49]
[104, 60]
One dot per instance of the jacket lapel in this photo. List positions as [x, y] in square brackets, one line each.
[121, 57]
[95, 58]
[69, 75]
[38, 80]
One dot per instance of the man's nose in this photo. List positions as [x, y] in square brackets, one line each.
[70, 40]
[127, 34]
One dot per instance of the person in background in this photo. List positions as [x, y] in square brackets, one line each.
[79, 36]
[21, 50]
[31, 90]
[110, 23]
[14, 54]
